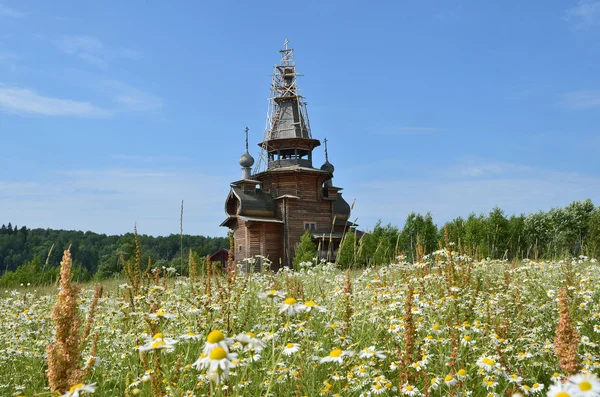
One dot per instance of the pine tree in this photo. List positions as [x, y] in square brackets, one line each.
[305, 251]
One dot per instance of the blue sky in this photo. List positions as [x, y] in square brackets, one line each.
[113, 112]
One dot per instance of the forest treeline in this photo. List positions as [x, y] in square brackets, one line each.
[570, 231]
[34, 255]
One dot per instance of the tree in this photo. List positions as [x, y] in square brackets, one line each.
[306, 251]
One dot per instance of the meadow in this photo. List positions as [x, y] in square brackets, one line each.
[445, 325]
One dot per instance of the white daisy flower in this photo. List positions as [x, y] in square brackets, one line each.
[586, 384]
[291, 307]
[216, 339]
[370, 351]
[336, 355]
[311, 305]
[218, 362]
[291, 348]
[272, 295]
[80, 388]
[158, 342]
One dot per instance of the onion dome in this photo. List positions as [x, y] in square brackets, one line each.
[327, 166]
[246, 160]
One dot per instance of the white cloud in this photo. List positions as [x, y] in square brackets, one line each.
[132, 99]
[581, 100]
[91, 50]
[10, 12]
[585, 15]
[112, 200]
[28, 102]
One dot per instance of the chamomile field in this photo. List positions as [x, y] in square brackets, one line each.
[445, 326]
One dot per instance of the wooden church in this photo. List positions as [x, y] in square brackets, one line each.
[275, 203]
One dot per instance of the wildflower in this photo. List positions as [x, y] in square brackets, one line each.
[410, 390]
[450, 380]
[291, 307]
[437, 329]
[487, 363]
[587, 384]
[249, 341]
[162, 314]
[555, 377]
[310, 306]
[562, 390]
[537, 387]
[272, 295]
[218, 362]
[216, 339]
[370, 351]
[434, 383]
[291, 348]
[336, 355]
[461, 374]
[80, 388]
[158, 342]
[191, 335]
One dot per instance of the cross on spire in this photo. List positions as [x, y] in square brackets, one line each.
[326, 155]
[246, 130]
[286, 42]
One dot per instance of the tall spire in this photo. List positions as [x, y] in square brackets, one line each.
[326, 155]
[287, 140]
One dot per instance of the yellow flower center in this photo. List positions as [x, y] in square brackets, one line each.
[157, 336]
[215, 336]
[488, 361]
[448, 378]
[377, 387]
[490, 382]
[290, 301]
[563, 394]
[191, 334]
[436, 327]
[76, 387]
[462, 372]
[536, 385]
[335, 353]
[389, 385]
[433, 381]
[585, 386]
[409, 388]
[158, 344]
[251, 334]
[467, 338]
[310, 303]
[218, 354]
[289, 345]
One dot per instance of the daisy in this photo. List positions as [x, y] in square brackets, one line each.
[310, 306]
[562, 390]
[410, 390]
[450, 380]
[434, 383]
[370, 351]
[291, 348]
[487, 363]
[437, 329]
[336, 355]
[190, 335]
[216, 339]
[249, 341]
[291, 307]
[537, 387]
[162, 314]
[272, 295]
[587, 384]
[218, 362]
[80, 388]
[462, 374]
[158, 342]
